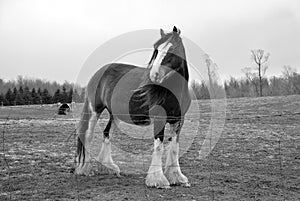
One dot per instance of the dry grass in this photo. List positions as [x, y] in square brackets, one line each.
[256, 158]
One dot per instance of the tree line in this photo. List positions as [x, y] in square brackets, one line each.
[33, 83]
[286, 84]
[254, 83]
[248, 86]
[19, 93]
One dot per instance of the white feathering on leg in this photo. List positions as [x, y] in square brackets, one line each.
[155, 176]
[105, 157]
[172, 168]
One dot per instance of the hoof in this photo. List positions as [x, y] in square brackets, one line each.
[113, 169]
[83, 170]
[158, 180]
[117, 173]
[159, 186]
[175, 177]
[109, 168]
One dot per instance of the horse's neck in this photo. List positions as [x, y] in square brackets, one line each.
[178, 82]
[181, 81]
[181, 87]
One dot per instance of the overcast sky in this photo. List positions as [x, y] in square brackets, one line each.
[52, 39]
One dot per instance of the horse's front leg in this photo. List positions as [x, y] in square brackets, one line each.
[155, 176]
[172, 168]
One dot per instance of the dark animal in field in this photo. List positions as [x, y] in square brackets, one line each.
[63, 109]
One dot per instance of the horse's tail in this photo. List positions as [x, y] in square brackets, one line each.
[82, 128]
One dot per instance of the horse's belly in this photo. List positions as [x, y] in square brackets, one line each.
[136, 120]
[133, 112]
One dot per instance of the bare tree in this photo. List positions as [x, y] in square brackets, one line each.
[260, 59]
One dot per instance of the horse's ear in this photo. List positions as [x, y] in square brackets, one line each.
[175, 29]
[162, 33]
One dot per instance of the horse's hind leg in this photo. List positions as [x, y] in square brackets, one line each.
[172, 168]
[85, 135]
[104, 156]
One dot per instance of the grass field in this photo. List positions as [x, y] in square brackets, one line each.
[256, 158]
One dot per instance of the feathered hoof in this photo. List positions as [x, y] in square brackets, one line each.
[112, 168]
[109, 168]
[158, 180]
[175, 177]
[116, 170]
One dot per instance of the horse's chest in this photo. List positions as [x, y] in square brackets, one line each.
[139, 113]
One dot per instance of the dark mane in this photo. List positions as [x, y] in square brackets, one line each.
[153, 94]
[150, 94]
[155, 52]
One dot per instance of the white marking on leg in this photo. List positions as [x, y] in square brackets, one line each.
[155, 176]
[105, 157]
[172, 168]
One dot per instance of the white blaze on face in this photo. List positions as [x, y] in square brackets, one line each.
[155, 72]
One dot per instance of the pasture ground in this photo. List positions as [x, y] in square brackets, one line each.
[256, 158]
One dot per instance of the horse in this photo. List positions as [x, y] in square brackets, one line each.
[154, 95]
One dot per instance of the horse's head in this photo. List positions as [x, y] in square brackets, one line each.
[168, 56]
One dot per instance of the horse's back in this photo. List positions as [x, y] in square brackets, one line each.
[104, 81]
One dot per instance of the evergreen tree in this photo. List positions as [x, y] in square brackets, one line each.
[70, 96]
[27, 96]
[35, 97]
[46, 97]
[19, 100]
[57, 96]
[20, 96]
[39, 91]
[14, 96]
[9, 97]
[21, 91]
[2, 99]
